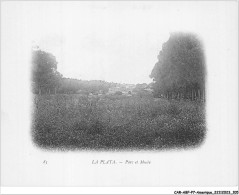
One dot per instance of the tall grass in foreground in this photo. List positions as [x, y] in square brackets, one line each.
[116, 123]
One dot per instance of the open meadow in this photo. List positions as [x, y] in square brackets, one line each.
[116, 122]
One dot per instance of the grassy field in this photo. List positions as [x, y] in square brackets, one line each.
[68, 122]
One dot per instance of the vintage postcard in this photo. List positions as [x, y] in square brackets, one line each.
[119, 94]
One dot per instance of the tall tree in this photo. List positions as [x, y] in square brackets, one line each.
[180, 70]
[45, 77]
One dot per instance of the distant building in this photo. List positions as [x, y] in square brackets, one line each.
[149, 90]
[124, 88]
[113, 90]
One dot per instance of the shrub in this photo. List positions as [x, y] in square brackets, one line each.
[118, 93]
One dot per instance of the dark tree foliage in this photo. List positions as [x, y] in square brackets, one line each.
[180, 70]
[45, 77]
[72, 86]
[47, 80]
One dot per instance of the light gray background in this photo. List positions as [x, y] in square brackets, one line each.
[213, 164]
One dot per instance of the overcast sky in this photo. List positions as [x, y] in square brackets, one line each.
[112, 41]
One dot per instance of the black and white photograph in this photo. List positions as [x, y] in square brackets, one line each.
[120, 94]
[169, 112]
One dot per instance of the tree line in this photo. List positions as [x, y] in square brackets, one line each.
[71, 86]
[180, 70]
[178, 74]
[47, 80]
[45, 77]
